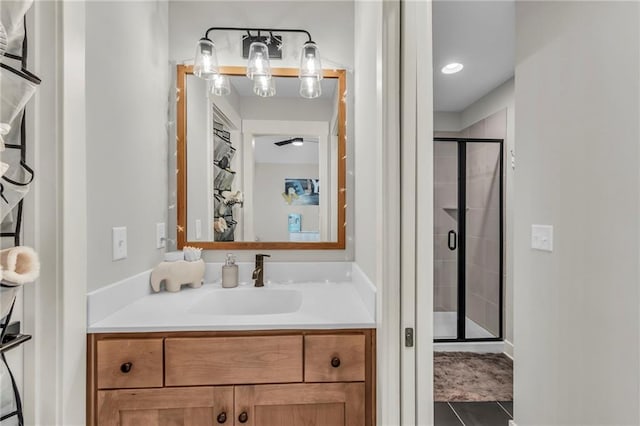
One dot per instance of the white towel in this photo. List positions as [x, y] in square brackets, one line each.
[20, 265]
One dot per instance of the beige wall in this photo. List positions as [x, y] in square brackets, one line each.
[577, 309]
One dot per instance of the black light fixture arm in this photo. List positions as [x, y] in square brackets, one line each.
[259, 30]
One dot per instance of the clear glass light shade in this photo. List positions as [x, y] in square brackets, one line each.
[264, 86]
[259, 65]
[219, 85]
[310, 65]
[310, 87]
[205, 64]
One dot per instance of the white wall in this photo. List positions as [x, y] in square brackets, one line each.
[127, 89]
[271, 219]
[368, 131]
[577, 131]
[295, 109]
[188, 21]
[199, 159]
[447, 121]
[499, 98]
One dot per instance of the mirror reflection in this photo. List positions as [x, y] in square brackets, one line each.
[262, 169]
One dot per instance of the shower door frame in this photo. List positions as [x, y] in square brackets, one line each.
[461, 241]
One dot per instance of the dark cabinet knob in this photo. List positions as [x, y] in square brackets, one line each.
[243, 417]
[126, 367]
[222, 417]
[335, 362]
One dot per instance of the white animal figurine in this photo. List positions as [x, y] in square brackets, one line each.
[177, 274]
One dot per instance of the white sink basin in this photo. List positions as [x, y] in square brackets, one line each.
[248, 301]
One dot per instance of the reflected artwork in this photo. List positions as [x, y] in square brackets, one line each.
[302, 192]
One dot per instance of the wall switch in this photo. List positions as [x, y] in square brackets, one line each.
[542, 237]
[161, 235]
[119, 243]
[198, 229]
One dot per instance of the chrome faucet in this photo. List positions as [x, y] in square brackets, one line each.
[258, 273]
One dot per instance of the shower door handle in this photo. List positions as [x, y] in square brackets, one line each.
[452, 240]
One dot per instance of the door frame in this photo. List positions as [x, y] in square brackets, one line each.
[417, 203]
[461, 238]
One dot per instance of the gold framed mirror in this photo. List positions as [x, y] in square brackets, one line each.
[261, 173]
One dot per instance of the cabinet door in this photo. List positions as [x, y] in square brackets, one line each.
[326, 404]
[206, 406]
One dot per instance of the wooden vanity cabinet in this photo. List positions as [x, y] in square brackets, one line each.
[324, 404]
[195, 406]
[270, 378]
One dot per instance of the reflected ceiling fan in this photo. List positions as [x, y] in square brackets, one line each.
[294, 141]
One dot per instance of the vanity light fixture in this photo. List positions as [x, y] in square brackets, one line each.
[205, 64]
[452, 68]
[310, 87]
[310, 65]
[259, 68]
[220, 85]
[264, 86]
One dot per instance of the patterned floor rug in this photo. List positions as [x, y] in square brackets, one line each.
[466, 376]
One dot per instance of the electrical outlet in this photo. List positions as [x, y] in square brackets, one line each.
[119, 242]
[161, 235]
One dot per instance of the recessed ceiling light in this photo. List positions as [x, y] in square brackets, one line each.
[297, 143]
[452, 68]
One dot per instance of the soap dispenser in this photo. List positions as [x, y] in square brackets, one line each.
[230, 272]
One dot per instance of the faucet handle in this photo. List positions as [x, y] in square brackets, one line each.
[261, 256]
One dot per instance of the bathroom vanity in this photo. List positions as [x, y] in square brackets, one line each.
[289, 353]
[266, 378]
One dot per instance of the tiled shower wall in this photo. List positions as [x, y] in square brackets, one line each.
[445, 266]
[483, 222]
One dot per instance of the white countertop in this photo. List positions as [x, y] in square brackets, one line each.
[325, 305]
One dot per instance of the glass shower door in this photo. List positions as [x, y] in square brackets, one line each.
[483, 237]
[445, 280]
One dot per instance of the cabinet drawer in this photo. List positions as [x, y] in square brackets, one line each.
[338, 358]
[129, 363]
[233, 360]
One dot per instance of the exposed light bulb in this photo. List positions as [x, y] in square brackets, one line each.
[220, 85]
[258, 65]
[264, 86]
[297, 143]
[310, 65]
[310, 87]
[205, 63]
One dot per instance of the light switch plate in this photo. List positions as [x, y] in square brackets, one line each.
[542, 237]
[119, 242]
[161, 235]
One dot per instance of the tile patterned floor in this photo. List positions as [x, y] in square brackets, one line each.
[473, 413]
